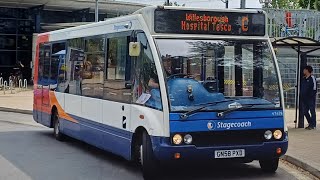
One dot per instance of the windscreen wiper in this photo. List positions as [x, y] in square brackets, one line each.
[189, 113]
[223, 113]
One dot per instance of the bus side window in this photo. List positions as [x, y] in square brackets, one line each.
[40, 67]
[91, 69]
[117, 59]
[57, 56]
[72, 64]
[145, 77]
[46, 64]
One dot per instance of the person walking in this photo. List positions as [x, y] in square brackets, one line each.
[308, 96]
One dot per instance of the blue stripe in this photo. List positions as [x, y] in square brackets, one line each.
[233, 115]
[115, 140]
[42, 118]
[223, 125]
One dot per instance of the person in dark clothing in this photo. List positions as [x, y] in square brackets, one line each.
[308, 96]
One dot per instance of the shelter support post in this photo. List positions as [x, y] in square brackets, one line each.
[303, 63]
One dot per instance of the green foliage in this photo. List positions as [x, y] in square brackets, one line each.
[172, 4]
[317, 5]
[314, 4]
[286, 4]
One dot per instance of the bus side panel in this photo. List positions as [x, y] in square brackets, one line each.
[70, 128]
[152, 120]
[37, 99]
[94, 130]
[105, 137]
[91, 120]
[72, 105]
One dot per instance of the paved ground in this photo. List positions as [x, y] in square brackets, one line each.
[28, 151]
[305, 145]
[290, 117]
[22, 100]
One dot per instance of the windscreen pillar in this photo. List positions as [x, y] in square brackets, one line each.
[238, 70]
[257, 72]
[219, 64]
[303, 63]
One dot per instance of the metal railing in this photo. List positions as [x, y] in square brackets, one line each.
[5, 86]
[286, 23]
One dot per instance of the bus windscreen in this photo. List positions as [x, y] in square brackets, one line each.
[209, 22]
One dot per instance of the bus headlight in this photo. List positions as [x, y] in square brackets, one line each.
[268, 135]
[277, 134]
[187, 139]
[177, 139]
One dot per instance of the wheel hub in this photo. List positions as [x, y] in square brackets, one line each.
[57, 127]
[141, 154]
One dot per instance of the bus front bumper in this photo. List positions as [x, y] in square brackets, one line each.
[164, 151]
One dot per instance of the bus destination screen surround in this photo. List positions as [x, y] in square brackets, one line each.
[208, 22]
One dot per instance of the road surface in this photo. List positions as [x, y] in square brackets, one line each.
[29, 151]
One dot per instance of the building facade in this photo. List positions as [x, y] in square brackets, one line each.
[20, 21]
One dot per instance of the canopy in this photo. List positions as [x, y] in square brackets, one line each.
[296, 43]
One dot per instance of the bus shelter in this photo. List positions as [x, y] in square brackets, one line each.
[303, 46]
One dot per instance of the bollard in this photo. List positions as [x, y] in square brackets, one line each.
[4, 87]
[1, 81]
[11, 86]
[25, 84]
[20, 85]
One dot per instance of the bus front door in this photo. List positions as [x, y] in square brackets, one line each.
[45, 107]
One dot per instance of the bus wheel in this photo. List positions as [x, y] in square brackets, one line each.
[148, 162]
[269, 165]
[56, 127]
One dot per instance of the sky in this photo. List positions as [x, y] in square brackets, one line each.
[212, 4]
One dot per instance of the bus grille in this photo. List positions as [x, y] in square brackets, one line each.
[229, 138]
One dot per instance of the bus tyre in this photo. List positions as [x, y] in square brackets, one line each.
[56, 127]
[269, 165]
[148, 162]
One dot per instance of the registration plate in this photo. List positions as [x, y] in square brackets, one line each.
[234, 153]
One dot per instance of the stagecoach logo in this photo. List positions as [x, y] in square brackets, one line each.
[211, 125]
[125, 26]
[216, 125]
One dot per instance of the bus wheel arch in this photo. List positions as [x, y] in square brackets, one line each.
[135, 143]
[55, 123]
[142, 153]
[54, 110]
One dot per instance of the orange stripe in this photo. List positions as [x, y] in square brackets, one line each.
[61, 112]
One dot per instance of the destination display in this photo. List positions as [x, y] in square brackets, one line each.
[209, 22]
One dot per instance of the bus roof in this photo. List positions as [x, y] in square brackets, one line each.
[158, 20]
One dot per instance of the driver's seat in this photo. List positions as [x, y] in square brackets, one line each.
[210, 85]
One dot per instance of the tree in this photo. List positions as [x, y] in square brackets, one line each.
[314, 4]
[285, 4]
[172, 4]
[317, 5]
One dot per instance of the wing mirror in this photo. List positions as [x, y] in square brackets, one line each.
[134, 49]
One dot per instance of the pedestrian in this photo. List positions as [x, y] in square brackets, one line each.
[308, 96]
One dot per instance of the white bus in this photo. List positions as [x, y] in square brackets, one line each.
[165, 84]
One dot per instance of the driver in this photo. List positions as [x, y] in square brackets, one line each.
[153, 82]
